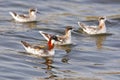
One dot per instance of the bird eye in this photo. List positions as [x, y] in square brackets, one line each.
[55, 38]
[69, 27]
[102, 18]
[33, 10]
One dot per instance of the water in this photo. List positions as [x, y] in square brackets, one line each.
[89, 58]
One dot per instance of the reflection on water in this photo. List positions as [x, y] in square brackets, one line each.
[48, 62]
[99, 41]
[66, 48]
[100, 38]
[65, 58]
[31, 24]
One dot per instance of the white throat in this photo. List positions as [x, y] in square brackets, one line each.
[103, 29]
[68, 35]
[33, 14]
[102, 21]
[52, 41]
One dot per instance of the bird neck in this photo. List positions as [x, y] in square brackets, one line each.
[68, 33]
[32, 14]
[50, 45]
[101, 24]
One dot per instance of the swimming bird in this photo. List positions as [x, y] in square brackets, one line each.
[64, 39]
[41, 50]
[100, 29]
[25, 18]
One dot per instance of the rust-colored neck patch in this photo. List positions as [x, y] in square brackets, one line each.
[101, 25]
[50, 44]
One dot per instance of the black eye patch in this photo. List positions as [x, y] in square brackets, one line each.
[33, 10]
[102, 18]
[69, 27]
[55, 38]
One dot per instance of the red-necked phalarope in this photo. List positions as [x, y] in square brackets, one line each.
[101, 28]
[64, 39]
[25, 18]
[41, 50]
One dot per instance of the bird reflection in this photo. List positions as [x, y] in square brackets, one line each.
[65, 58]
[99, 41]
[48, 62]
[31, 24]
[66, 48]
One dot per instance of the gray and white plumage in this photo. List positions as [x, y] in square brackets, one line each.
[100, 29]
[64, 39]
[24, 18]
[41, 50]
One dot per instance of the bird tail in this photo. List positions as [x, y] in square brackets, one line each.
[13, 14]
[25, 44]
[82, 26]
[45, 35]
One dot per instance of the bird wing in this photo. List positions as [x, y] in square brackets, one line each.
[27, 45]
[45, 35]
[61, 38]
[83, 26]
[23, 16]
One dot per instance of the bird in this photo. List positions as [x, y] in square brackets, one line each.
[92, 30]
[25, 18]
[42, 51]
[64, 39]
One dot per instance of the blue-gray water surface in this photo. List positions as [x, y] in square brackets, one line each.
[89, 58]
